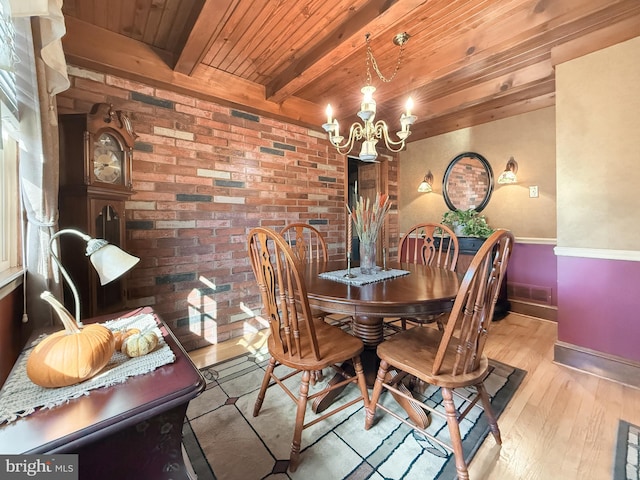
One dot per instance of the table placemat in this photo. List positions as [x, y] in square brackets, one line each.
[20, 397]
[362, 279]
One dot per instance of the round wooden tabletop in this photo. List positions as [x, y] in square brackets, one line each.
[425, 290]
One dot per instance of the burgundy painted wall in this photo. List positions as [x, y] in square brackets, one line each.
[608, 322]
[534, 264]
[13, 333]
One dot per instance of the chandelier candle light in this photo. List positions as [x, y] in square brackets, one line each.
[368, 218]
[371, 132]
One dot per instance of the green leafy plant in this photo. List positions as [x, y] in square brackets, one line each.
[467, 223]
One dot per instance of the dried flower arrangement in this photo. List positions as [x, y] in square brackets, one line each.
[368, 217]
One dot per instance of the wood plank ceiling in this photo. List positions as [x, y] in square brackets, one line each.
[467, 61]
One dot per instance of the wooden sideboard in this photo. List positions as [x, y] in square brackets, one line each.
[131, 430]
[469, 246]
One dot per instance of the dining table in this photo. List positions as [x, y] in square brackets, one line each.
[400, 290]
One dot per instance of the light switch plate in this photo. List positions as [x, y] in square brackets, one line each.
[533, 191]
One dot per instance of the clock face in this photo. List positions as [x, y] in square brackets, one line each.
[107, 160]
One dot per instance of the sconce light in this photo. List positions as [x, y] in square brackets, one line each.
[426, 185]
[108, 260]
[509, 174]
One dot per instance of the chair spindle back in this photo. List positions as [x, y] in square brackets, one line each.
[284, 294]
[472, 312]
[306, 241]
[430, 244]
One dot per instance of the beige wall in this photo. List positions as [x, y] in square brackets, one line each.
[598, 111]
[529, 138]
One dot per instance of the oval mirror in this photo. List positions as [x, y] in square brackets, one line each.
[468, 182]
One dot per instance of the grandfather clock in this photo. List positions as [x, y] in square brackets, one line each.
[96, 151]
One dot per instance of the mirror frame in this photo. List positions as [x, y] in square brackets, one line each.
[453, 163]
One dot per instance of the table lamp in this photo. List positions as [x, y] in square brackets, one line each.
[108, 260]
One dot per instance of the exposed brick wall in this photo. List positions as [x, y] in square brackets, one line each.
[203, 176]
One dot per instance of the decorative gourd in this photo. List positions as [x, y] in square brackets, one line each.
[140, 344]
[121, 335]
[72, 355]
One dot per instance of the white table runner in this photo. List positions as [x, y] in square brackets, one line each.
[20, 397]
[362, 279]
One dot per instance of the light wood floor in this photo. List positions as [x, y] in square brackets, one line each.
[561, 423]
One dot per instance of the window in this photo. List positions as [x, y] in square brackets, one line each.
[10, 238]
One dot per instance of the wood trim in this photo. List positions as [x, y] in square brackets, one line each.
[376, 15]
[82, 45]
[544, 312]
[617, 369]
[600, 253]
[537, 241]
[10, 280]
[605, 37]
[201, 36]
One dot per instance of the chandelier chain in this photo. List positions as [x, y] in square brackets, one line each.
[371, 58]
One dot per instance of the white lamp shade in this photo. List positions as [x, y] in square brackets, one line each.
[509, 174]
[425, 187]
[111, 262]
[507, 177]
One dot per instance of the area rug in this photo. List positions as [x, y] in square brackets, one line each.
[626, 465]
[225, 442]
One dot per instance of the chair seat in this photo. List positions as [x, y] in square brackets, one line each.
[336, 346]
[414, 351]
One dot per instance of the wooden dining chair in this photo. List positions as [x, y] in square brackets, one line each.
[309, 246]
[451, 359]
[429, 244]
[297, 340]
[307, 242]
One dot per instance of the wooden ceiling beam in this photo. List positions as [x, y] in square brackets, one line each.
[610, 35]
[377, 16]
[212, 17]
[490, 89]
[489, 112]
[84, 46]
[467, 56]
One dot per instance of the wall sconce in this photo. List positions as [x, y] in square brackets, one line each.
[509, 174]
[108, 260]
[426, 185]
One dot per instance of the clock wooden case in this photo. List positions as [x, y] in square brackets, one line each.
[96, 151]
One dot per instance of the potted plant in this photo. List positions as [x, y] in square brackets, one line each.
[467, 223]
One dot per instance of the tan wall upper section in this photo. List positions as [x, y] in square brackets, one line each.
[529, 138]
[598, 149]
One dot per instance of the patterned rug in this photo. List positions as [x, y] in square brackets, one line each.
[225, 442]
[626, 465]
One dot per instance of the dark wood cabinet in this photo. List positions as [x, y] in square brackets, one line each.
[128, 431]
[469, 246]
[96, 151]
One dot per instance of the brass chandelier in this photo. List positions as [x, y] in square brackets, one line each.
[369, 132]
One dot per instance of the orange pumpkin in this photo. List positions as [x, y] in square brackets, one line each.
[72, 355]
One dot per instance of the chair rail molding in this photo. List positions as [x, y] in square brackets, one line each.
[536, 240]
[599, 253]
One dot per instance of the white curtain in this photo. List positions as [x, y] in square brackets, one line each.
[40, 75]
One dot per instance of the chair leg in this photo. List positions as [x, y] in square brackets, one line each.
[362, 381]
[454, 432]
[488, 410]
[294, 459]
[263, 388]
[375, 395]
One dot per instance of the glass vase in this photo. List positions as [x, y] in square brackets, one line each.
[367, 257]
